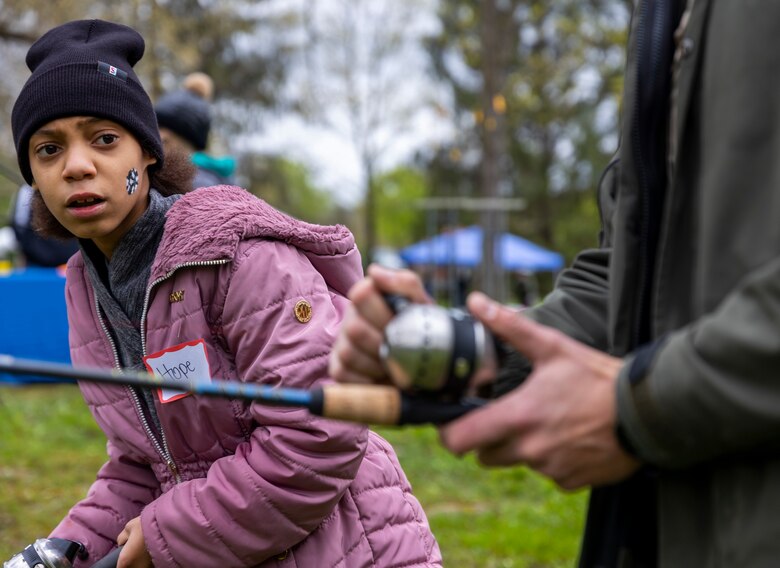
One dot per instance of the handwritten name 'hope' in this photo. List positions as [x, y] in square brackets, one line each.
[177, 372]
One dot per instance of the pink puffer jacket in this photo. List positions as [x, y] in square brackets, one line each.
[234, 484]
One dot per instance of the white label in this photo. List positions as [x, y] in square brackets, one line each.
[185, 364]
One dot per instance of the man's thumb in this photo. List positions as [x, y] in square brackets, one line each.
[530, 338]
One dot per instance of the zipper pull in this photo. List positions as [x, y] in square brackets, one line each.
[174, 470]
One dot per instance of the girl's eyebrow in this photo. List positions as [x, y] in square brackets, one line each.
[46, 132]
[86, 121]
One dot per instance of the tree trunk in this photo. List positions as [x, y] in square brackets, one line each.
[494, 147]
[370, 227]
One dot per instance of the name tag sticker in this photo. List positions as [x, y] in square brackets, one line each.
[185, 364]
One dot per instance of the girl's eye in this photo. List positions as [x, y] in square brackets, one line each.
[47, 150]
[106, 139]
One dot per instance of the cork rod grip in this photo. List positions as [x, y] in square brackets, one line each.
[368, 404]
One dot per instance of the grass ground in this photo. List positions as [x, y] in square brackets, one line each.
[50, 450]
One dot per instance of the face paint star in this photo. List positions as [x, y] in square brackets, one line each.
[132, 181]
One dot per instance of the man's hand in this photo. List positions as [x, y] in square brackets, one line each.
[560, 421]
[355, 354]
[134, 553]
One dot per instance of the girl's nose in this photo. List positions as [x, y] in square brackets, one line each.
[78, 164]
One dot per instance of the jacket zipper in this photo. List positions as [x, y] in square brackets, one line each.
[161, 449]
[162, 445]
[672, 144]
[164, 448]
[653, 36]
[642, 181]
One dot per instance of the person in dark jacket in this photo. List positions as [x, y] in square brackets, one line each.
[37, 250]
[184, 117]
[650, 372]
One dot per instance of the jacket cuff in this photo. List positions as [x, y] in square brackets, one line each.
[635, 406]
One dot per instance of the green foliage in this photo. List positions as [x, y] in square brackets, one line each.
[558, 70]
[181, 36]
[482, 518]
[286, 185]
[50, 452]
[560, 83]
[576, 224]
[488, 517]
[399, 220]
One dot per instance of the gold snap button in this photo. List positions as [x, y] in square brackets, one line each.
[302, 311]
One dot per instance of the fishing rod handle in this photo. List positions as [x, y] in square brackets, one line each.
[385, 405]
[367, 404]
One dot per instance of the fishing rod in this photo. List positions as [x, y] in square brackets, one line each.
[366, 404]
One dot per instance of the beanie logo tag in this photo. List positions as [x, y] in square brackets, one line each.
[107, 69]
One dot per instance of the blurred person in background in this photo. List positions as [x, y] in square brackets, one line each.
[34, 249]
[184, 117]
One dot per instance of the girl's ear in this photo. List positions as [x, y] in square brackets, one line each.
[149, 160]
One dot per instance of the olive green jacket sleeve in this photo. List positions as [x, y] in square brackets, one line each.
[711, 389]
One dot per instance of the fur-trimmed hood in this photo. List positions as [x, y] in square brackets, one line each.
[197, 231]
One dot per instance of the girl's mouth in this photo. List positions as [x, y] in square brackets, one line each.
[86, 206]
[85, 202]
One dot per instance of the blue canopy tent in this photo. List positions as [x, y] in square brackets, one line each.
[463, 247]
[33, 319]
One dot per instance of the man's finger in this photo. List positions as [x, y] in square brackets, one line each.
[401, 282]
[368, 302]
[505, 453]
[486, 426]
[367, 295]
[347, 360]
[534, 340]
[360, 334]
[343, 374]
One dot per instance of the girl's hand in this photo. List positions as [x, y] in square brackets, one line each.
[134, 553]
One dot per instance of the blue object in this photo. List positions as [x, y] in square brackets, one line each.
[223, 166]
[463, 247]
[33, 319]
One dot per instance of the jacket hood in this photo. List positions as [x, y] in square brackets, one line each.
[207, 224]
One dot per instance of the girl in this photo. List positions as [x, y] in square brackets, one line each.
[212, 283]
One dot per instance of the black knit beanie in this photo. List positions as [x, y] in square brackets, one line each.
[186, 114]
[85, 68]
